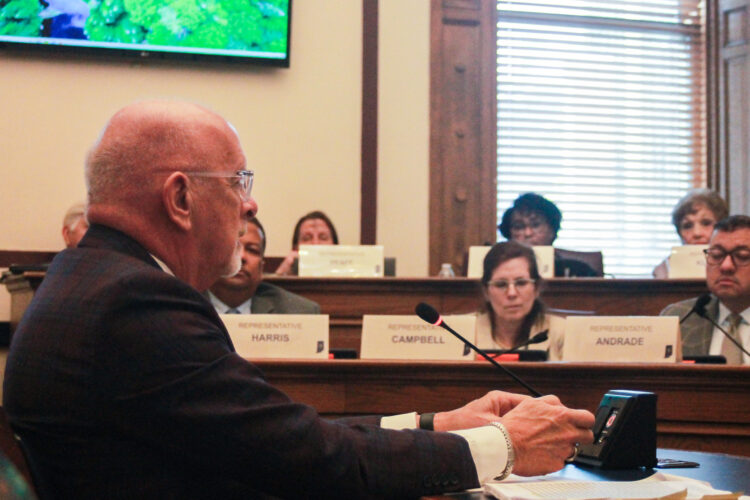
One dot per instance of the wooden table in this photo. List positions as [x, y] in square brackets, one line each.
[700, 407]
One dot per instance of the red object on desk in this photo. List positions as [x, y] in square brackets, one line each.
[513, 356]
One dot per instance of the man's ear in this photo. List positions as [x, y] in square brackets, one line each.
[177, 200]
[66, 235]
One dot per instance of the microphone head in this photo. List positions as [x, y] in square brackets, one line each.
[700, 304]
[539, 337]
[428, 313]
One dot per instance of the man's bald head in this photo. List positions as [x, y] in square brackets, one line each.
[147, 138]
[146, 177]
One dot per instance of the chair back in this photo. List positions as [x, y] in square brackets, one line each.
[595, 260]
[10, 447]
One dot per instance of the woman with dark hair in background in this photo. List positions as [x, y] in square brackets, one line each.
[513, 312]
[314, 228]
[534, 220]
[694, 217]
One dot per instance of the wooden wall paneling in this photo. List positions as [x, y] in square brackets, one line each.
[369, 145]
[734, 78]
[461, 172]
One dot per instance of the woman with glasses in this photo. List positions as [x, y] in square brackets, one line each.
[534, 220]
[694, 218]
[513, 312]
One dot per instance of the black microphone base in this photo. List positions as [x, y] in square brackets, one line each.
[624, 432]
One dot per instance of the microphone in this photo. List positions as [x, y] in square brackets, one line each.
[430, 315]
[701, 311]
[700, 305]
[536, 339]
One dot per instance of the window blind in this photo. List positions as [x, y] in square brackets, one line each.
[600, 108]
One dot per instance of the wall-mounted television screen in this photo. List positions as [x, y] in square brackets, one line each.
[255, 31]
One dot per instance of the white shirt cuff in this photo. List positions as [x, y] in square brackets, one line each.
[400, 422]
[489, 450]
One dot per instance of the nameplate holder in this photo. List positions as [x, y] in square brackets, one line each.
[475, 267]
[643, 339]
[409, 337]
[302, 336]
[687, 261]
[545, 260]
[347, 261]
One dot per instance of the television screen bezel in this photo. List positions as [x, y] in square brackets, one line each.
[158, 53]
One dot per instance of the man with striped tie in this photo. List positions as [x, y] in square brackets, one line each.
[728, 280]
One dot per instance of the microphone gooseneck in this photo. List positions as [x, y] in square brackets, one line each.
[430, 315]
[699, 307]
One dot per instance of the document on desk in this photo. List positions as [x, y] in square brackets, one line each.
[657, 487]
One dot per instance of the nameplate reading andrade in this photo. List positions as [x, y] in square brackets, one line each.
[408, 337]
[687, 261]
[278, 335]
[348, 261]
[645, 339]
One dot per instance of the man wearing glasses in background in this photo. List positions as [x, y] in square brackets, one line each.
[728, 280]
[122, 381]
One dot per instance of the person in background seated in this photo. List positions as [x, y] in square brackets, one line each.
[122, 381]
[728, 280]
[75, 225]
[245, 293]
[512, 311]
[314, 228]
[534, 220]
[694, 218]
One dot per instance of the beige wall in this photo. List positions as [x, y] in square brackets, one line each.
[300, 128]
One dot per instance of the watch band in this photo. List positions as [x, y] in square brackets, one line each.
[426, 421]
[511, 452]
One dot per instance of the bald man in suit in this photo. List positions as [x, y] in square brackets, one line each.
[122, 381]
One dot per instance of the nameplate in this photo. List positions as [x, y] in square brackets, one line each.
[475, 268]
[348, 261]
[645, 339]
[687, 261]
[409, 337]
[278, 335]
[545, 261]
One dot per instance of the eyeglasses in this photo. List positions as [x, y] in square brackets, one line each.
[533, 224]
[716, 255]
[245, 178]
[518, 284]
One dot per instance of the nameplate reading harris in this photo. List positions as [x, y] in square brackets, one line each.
[278, 335]
[409, 337]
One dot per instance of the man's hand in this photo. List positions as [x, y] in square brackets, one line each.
[285, 268]
[482, 411]
[544, 433]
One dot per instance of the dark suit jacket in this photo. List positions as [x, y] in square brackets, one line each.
[123, 383]
[271, 299]
[696, 331]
